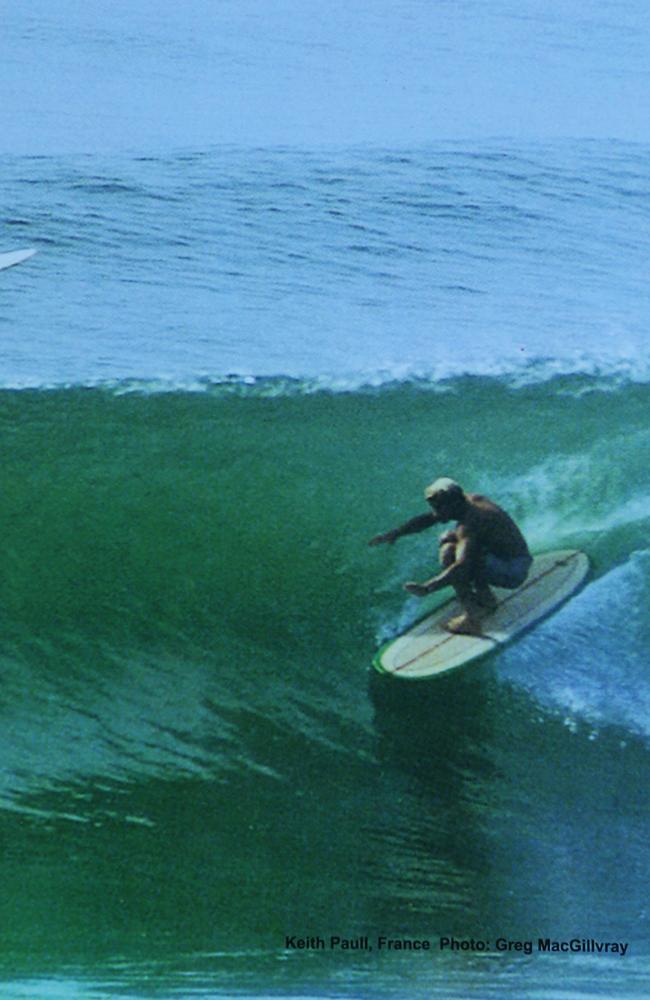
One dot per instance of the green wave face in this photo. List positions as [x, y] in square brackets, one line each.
[144, 517]
[194, 763]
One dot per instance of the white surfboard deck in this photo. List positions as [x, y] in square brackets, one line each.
[14, 257]
[427, 649]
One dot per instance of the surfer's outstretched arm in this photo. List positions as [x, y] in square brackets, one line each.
[412, 527]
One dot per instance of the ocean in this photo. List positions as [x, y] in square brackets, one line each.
[230, 365]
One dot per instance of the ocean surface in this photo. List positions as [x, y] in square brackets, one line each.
[229, 366]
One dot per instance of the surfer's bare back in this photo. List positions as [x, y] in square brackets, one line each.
[485, 549]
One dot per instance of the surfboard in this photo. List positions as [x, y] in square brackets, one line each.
[14, 257]
[426, 649]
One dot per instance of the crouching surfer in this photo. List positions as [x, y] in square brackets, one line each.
[486, 549]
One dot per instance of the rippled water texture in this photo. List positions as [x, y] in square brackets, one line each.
[294, 261]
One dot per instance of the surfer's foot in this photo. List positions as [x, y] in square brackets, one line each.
[463, 625]
[486, 598]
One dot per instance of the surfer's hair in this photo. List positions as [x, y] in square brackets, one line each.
[447, 498]
[444, 487]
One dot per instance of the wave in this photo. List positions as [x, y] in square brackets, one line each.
[589, 662]
[576, 375]
[186, 578]
[135, 504]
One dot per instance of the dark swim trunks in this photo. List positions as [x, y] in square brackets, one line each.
[509, 573]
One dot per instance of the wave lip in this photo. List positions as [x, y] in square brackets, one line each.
[586, 370]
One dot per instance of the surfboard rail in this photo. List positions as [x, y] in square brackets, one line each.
[426, 649]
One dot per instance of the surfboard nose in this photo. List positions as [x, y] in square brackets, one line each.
[15, 257]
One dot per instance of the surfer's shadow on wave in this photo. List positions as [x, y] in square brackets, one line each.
[436, 732]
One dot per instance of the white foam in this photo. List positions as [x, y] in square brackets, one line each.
[605, 373]
[582, 661]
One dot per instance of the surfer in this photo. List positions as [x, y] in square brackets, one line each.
[485, 549]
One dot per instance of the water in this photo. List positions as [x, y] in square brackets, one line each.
[351, 265]
[241, 351]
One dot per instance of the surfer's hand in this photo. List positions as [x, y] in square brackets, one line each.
[418, 589]
[387, 539]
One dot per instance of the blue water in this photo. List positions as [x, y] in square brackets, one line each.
[162, 74]
[294, 261]
[356, 265]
